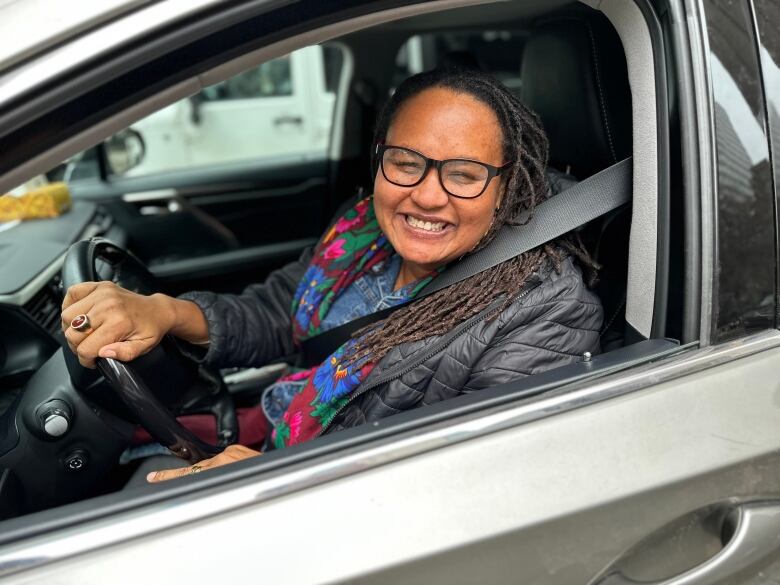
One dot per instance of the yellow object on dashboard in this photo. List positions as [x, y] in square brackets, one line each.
[47, 201]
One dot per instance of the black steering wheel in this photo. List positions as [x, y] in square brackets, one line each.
[100, 259]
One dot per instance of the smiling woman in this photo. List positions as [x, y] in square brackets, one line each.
[432, 220]
[457, 157]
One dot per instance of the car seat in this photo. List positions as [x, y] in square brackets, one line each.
[574, 76]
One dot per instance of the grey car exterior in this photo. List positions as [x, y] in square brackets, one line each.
[663, 467]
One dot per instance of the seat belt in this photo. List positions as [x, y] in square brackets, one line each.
[574, 207]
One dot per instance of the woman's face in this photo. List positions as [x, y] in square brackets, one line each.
[439, 124]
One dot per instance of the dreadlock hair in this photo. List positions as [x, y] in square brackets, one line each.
[525, 185]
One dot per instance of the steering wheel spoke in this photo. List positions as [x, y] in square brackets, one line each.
[156, 419]
[181, 377]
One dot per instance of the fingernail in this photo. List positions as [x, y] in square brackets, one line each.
[150, 476]
[108, 353]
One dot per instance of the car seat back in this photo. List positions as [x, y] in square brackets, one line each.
[574, 77]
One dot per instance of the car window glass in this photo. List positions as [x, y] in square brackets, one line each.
[280, 108]
[267, 80]
[746, 234]
[768, 20]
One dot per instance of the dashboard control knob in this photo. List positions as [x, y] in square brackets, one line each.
[55, 424]
[54, 418]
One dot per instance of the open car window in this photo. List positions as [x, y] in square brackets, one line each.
[281, 108]
[197, 189]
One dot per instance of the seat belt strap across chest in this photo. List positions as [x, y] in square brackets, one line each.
[574, 207]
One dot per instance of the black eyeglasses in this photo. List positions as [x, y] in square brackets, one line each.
[459, 177]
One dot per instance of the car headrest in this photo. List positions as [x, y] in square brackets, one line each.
[574, 76]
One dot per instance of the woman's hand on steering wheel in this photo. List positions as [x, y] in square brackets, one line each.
[231, 454]
[119, 323]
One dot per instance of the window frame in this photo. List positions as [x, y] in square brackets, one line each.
[616, 382]
[762, 26]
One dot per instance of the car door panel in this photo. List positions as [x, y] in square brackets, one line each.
[228, 271]
[554, 501]
[269, 214]
[240, 165]
[636, 474]
[268, 211]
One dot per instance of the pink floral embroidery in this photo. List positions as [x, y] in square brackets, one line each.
[294, 419]
[297, 376]
[335, 250]
[345, 224]
[340, 259]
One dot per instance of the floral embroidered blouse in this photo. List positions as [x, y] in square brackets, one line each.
[338, 284]
[370, 293]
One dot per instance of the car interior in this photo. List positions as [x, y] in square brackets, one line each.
[602, 97]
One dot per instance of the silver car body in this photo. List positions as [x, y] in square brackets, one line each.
[635, 472]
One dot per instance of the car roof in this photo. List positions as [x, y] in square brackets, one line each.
[30, 27]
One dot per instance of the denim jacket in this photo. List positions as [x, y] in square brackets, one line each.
[369, 293]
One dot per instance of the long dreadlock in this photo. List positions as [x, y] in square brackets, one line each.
[525, 186]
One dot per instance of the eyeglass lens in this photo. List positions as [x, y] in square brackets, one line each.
[461, 178]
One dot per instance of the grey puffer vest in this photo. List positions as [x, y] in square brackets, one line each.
[552, 322]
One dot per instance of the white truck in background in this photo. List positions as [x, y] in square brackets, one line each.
[282, 107]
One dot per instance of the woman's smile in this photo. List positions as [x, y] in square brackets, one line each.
[427, 226]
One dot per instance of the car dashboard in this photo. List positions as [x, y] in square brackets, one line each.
[31, 254]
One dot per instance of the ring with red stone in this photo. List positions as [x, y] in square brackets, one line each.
[80, 323]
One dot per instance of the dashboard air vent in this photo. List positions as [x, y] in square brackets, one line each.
[45, 306]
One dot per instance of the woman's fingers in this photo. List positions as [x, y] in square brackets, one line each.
[122, 324]
[124, 351]
[93, 299]
[80, 341]
[86, 344]
[77, 292]
[127, 351]
[79, 300]
[231, 454]
[76, 308]
[76, 312]
[158, 476]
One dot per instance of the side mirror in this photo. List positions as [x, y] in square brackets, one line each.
[125, 150]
